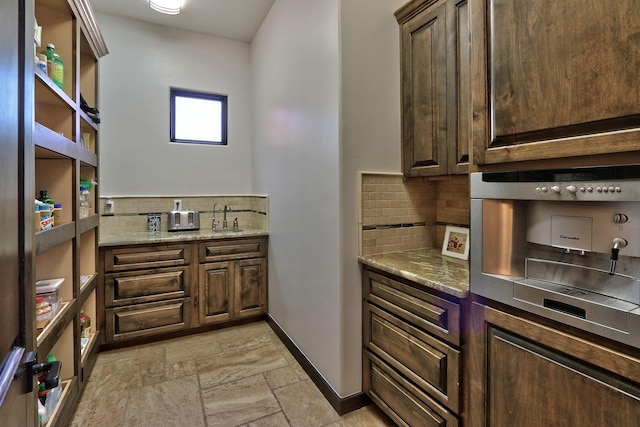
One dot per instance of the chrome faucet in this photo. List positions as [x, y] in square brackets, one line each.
[213, 216]
[226, 209]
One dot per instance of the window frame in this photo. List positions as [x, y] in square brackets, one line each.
[188, 93]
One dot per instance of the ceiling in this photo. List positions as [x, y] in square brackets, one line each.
[232, 19]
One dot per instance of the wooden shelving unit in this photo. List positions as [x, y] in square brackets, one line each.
[65, 143]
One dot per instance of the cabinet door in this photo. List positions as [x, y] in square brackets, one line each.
[250, 287]
[17, 408]
[561, 77]
[424, 93]
[540, 376]
[460, 112]
[215, 296]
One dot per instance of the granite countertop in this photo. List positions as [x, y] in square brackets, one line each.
[427, 267]
[142, 237]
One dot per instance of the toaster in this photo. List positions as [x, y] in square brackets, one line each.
[182, 220]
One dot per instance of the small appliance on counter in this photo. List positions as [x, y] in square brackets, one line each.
[183, 220]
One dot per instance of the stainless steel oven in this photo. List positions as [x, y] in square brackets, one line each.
[564, 244]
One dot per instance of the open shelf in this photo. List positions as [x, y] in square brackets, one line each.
[49, 239]
[91, 344]
[66, 398]
[63, 152]
[54, 330]
[87, 286]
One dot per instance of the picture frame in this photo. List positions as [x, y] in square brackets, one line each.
[456, 242]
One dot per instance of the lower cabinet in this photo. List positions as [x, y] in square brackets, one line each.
[232, 290]
[150, 290]
[411, 354]
[523, 373]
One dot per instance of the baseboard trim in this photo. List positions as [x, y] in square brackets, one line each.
[340, 404]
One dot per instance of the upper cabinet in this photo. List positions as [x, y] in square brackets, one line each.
[555, 79]
[436, 87]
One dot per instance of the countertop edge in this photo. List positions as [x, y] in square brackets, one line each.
[428, 282]
[142, 238]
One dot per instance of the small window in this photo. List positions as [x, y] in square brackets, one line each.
[198, 117]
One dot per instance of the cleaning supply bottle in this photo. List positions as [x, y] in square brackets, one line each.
[44, 198]
[54, 393]
[55, 66]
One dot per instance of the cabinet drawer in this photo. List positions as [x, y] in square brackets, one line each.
[426, 361]
[401, 400]
[147, 319]
[426, 311]
[232, 249]
[144, 257]
[146, 286]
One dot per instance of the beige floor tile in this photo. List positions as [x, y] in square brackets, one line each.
[276, 420]
[238, 363]
[119, 376]
[170, 403]
[304, 405]
[281, 377]
[369, 416]
[239, 402]
[245, 337]
[293, 364]
[192, 347]
[106, 411]
[241, 376]
[180, 369]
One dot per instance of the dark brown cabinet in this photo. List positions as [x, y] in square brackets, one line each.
[526, 374]
[411, 355]
[555, 79]
[152, 290]
[147, 290]
[235, 286]
[436, 87]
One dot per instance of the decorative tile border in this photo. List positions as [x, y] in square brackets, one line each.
[131, 211]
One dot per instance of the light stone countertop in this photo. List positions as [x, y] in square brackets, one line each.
[147, 237]
[427, 267]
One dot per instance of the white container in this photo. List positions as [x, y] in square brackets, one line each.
[49, 289]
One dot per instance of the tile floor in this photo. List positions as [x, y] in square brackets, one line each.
[240, 376]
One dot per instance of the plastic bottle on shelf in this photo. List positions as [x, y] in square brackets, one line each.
[85, 325]
[85, 205]
[44, 198]
[54, 395]
[55, 66]
[57, 214]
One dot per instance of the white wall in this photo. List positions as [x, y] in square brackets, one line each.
[297, 162]
[370, 136]
[327, 105]
[324, 78]
[136, 157]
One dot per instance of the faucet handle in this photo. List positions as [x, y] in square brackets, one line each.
[235, 223]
